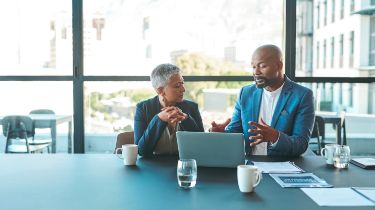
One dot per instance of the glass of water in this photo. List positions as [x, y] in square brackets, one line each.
[187, 173]
[341, 156]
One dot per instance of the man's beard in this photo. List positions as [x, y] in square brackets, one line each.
[262, 82]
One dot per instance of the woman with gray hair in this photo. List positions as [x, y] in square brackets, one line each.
[157, 119]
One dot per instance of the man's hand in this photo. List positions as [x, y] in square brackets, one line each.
[264, 133]
[218, 127]
[172, 115]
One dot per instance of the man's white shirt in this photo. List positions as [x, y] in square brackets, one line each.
[267, 109]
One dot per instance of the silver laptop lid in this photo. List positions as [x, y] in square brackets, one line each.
[212, 149]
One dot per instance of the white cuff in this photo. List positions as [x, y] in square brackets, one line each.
[274, 143]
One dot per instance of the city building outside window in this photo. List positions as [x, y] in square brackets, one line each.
[342, 9]
[351, 49]
[341, 43]
[372, 41]
[325, 12]
[333, 8]
[352, 5]
[332, 52]
[318, 15]
[317, 55]
[324, 54]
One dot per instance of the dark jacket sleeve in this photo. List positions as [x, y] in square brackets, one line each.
[147, 133]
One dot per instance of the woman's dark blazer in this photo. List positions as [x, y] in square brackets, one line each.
[148, 127]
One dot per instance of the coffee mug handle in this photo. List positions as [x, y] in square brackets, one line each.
[322, 152]
[259, 178]
[117, 154]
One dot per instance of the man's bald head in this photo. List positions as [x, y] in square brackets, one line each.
[268, 67]
[270, 51]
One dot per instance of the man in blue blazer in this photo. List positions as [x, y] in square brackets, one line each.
[276, 115]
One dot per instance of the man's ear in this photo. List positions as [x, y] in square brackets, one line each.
[280, 66]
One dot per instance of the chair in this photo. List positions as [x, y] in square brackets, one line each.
[124, 138]
[21, 128]
[342, 124]
[318, 133]
[42, 125]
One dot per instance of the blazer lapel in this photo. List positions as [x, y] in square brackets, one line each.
[256, 104]
[284, 96]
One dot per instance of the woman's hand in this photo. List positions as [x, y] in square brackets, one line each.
[172, 114]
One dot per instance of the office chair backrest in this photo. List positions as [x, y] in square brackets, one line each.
[124, 138]
[17, 126]
[43, 124]
[319, 128]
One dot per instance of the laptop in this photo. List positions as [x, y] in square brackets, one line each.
[212, 149]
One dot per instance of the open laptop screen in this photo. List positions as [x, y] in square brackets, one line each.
[212, 149]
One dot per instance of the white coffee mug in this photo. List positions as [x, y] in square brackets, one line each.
[248, 177]
[129, 153]
[327, 153]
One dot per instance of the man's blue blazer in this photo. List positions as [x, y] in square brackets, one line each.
[293, 117]
[148, 127]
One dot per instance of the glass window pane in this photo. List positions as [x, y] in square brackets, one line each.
[20, 98]
[357, 100]
[36, 38]
[110, 107]
[352, 48]
[203, 37]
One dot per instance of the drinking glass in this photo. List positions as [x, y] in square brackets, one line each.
[341, 156]
[187, 173]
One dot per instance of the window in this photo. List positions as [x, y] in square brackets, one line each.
[372, 41]
[317, 55]
[36, 40]
[324, 54]
[332, 52]
[218, 37]
[203, 38]
[352, 5]
[325, 12]
[342, 9]
[333, 12]
[348, 97]
[21, 97]
[351, 49]
[341, 64]
[318, 15]
[110, 107]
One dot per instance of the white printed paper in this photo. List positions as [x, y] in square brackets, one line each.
[336, 197]
[368, 192]
[278, 167]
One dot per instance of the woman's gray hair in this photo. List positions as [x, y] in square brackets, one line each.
[162, 73]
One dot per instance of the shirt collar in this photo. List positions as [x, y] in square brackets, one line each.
[275, 92]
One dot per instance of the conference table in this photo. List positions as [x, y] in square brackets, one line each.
[101, 181]
[53, 120]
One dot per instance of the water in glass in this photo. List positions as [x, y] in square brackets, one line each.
[187, 173]
[341, 156]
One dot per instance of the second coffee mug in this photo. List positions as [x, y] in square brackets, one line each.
[129, 153]
[327, 153]
[248, 177]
